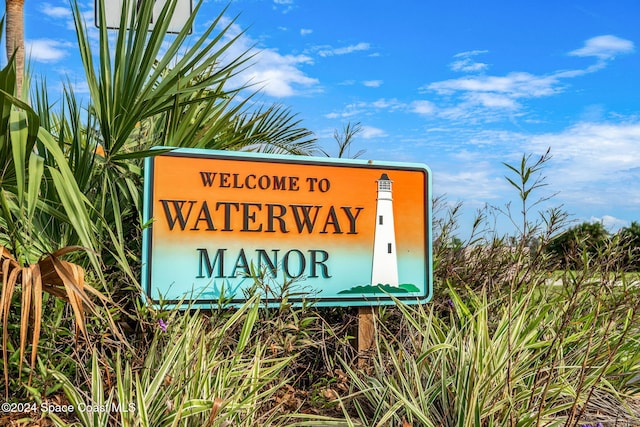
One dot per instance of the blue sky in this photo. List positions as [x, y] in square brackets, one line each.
[461, 86]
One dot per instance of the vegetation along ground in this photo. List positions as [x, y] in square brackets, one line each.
[537, 328]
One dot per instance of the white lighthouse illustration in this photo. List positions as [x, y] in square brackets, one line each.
[385, 260]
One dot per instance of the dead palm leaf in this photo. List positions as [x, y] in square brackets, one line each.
[50, 274]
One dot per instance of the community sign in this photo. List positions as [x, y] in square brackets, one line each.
[221, 225]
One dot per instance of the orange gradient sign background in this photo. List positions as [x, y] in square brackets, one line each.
[219, 218]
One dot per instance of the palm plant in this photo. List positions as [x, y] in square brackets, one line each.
[41, 211]
[15, 37]
[71, 176]
[148, 89]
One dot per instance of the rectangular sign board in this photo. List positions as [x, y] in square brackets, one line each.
[113, 12]
[339, 232]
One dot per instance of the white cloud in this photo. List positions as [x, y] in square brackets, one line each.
[55, 11]
[328, 51]
[423, 107]
[487, 98]
[350, 110]
[305, 31]
[47, 50]
[470, 53]
[372, 83]
[475, 182]
[610, 222]
[466, 64]
[383, 104]
[493, 100]
[367, 108]
[369, 132]
[279, 75]
[286, 4]
[517, 85]
[595, 163]
[594, 149]
[276, 74]
[604, 47]
[62, 16]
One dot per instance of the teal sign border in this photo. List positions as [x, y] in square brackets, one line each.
[362, 300]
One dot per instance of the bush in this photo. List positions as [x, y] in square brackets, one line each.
[630, 241]
[588, 238]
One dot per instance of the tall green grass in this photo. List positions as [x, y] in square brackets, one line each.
[542, 359]
[192, 375]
